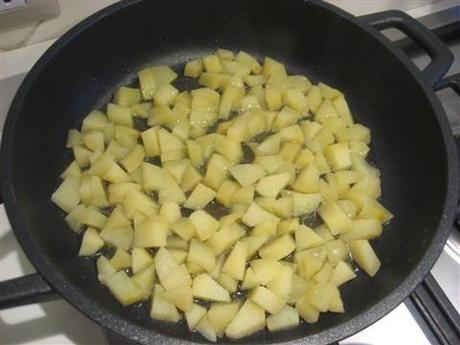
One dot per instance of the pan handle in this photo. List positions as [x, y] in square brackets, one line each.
[441, 57]
[29, 289]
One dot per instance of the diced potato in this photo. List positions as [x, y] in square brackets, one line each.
[145, 280]
[205, 328]
[336, 220]
[339, 156]
[91, 243]
[202, 255]
[121, 259]
[225, 237]
[247, 174]
[205, 225]
[287, 226]
[221, 314]
[236, 262]
[324, 274]
[133, 159]
[92, 217]
[184, 228]
[306, 238]
[365, 256]
[270, 163]
[127, 96]
[319, 296]
[362, 229]
[243, 196]
[306, 311]
[286, 117]
[253, 243]
[270, 186]
[190, 179]
[153, 177]
[136, 201]
[249, 319]
[169, 272]
[266, 228]
[200, 197]
[286, 318]
[162, 309]
[308, 180]
[342, 273]
[104, 268]
[281, 284]
[67, 196]
[123, 288]
[296, 100]
[140, 259]
[212, 64]
[194, 316]
[278, 248]
[118, 236]
[217, 171]
[250, 281]
[329, 92]
[265, 269]
[151, 233]
[267, 299]
[193, 68]
[305, 203]
[226, 191]
[206, 288]
[255, 215]
[181, 297]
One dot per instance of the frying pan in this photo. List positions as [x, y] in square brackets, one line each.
[412, 141]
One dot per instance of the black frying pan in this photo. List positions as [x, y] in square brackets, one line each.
[412, 142]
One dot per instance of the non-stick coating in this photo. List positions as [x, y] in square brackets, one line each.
[409, 140]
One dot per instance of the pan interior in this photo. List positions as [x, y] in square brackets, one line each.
[407, 140]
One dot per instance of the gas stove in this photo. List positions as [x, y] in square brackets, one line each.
[429, 316]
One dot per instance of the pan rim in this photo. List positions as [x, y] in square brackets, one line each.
[145, 335]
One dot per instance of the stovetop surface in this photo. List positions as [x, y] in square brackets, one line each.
[58, 322]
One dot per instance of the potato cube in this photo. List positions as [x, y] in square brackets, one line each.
[270, 163]
[339, 156]
[67, 196]
[127, 96]
[306, 310]
[305, 203]
[194, 316]
[136, 201]
[226, 191]
[206, 288]
[217, 171]
[151, 233]
[200, 197]
[228, 148]
[255, 215]
[249, 319]
[265, 270]
[306, 238]
[269, 146]
[324, 274]
[221, 314]
[362, 229]
[286, 318]
[336, 220]
[184, 228]
[287, 226]
[270, 186]
[180, 296]
[162, 309]
[247, 174]
[121, 259]
[267, 299]
[319, 296]
[94, 140]
[296, 100]
[94, 121]
[286, 117]
[341, 274]
[205, 328]
[226, 237]
[91, 243]
[308, 180]
[364, 256]
[236, 262]
[145, 279]
[119, 115]
[202, 255]
[140, 259]
[169, 272]
[193, 68]
[205, 224]
[281, 284]
[133, 159]
[278, 248]
[123, 288]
